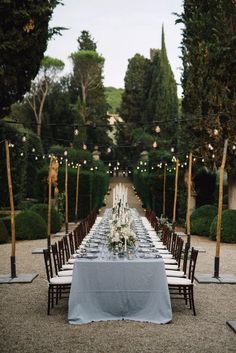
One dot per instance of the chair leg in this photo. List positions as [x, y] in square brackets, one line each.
[49, 300]
[185, 295]
[192, 300]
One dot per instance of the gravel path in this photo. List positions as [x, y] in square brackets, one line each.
[26, 328]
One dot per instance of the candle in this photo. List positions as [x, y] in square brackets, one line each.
[125, 244]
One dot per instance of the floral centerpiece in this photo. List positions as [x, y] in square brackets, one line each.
[121, 236]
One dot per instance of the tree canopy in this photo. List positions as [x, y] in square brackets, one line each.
[209, 76]
[24, 33]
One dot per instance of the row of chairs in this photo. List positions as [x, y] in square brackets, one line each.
[59, 261]
[180, 280]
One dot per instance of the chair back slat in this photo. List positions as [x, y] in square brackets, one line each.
[48, 263]
[71, 242]
[173, 244]
[66, 247]
[192, 264]
[61, 252]
[56, 258]
[178, 250]
[185, 257]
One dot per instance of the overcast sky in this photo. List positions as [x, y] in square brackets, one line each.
[121, 29]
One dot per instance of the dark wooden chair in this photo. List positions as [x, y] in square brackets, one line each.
[182, 288]
[62, 256]
[57, 286]
[57, 263]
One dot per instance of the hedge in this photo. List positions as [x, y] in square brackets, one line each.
[30, 225]
[4, 236]
[56, 220]
[202, 218]
[92, 188]
[228, 227]
[149, 187]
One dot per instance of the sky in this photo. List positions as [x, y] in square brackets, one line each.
[121, 28]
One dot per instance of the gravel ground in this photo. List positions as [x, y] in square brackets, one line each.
[26, 328]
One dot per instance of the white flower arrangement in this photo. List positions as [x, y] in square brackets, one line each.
[121, 235]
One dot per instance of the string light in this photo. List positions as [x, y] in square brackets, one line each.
[33, 149]
[154, 144]
[158, 129]
[172, 149]
[210, 147]
[24, 138]
[65, 153]
[84, 146]
[216, 132]
[76, 131]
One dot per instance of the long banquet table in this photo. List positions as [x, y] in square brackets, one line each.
[107, 288]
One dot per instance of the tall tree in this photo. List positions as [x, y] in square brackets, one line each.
[49, 68]
[209, 103]
[162, 102]
[88, 90]
[24, 33]
[136, 89]
[87, 70]
[86, 42]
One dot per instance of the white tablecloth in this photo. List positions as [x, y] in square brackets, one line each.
[119, 289]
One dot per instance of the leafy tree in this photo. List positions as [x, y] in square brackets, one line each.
[87, 70]
[86, 42]
[88, 90]
[41, 86]
[113, 97]
[24, 33]
[162, 102]
[136, 89]
[150, 97]
[209, 76]
[59, 118]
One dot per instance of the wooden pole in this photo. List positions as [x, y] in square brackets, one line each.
[49, 203]
[66, 196]
[190, 162]
[219, 217]
[77, 196]
[176, 192]
[13, 236]
[164, 192]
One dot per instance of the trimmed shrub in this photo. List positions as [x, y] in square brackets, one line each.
[228, 227]
[26, 204]
[7, 221]
[4, 237]
[42, 210]
[202, 218]
[30, 225]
